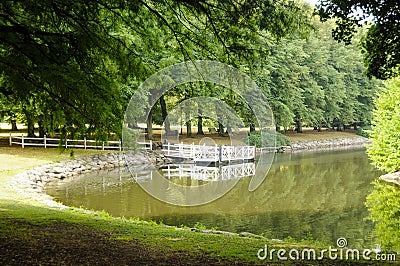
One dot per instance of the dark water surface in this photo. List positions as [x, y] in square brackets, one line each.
[311, 194]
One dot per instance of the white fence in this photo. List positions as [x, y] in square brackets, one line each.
[73, 143]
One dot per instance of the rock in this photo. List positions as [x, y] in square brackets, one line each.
[391, 178]
[58, 170]
[246, 234]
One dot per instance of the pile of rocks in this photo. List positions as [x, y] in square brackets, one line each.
[42, 175]
[328, 143]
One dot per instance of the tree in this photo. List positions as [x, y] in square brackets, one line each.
[385, 148]
[316, 82]
[81, 55]
[381, 42]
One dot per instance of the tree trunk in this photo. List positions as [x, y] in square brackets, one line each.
[299, 128]
[188, 129]
[31, 127]
[14, 125]
[41, 128]
[200, 123]
[220, 129]
[164, 114]
[150, 125]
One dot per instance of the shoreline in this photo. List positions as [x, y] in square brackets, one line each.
[34, 180]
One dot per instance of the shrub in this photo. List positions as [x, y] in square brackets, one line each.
[255, 138]
[385, 134]
[364, 131]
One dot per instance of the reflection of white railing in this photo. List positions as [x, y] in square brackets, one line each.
[215, 153]
[194, 172]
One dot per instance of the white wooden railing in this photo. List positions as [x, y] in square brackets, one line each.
[215, 153]
[72, 143]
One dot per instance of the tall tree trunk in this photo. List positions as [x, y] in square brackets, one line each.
[164, 114]
[41, 128]
[31, 127]
[220, 129]
[252, 127]
[200, 123]
[188, 129]
[299, 128]
[14, 125]
[149, 123]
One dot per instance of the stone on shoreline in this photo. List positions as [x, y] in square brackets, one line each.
[391, 178]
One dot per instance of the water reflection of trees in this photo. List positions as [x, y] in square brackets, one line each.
[383, 205]
[322, 195]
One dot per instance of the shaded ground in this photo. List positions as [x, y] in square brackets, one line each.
[68, 244]
[62, 243]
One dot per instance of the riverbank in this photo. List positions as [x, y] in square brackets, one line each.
[38, 177]
[334, 143]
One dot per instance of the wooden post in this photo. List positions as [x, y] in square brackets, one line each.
[22, 141]
[66, 143]
[10, 139]
[102, 145]
[84, 142]
[120, 145]
[220, 154]
[151, 145]
[44, 140]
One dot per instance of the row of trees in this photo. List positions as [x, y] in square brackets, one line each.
[313, 82]
[72, 66]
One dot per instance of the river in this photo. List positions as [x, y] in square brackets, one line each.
[307, 195]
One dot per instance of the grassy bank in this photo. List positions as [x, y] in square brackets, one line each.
[34, 231]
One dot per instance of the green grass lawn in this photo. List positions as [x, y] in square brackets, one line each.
[309, 135]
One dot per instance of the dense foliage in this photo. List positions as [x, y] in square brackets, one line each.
[317, 82]
[385, 148]
[73, 65]
[381, 41]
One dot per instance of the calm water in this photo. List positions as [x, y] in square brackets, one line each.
[318, 194]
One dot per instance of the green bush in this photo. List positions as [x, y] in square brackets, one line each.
[385, 134]
[364, 131]
[255, 138]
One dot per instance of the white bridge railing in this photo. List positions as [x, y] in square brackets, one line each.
[204, 153]
[72, 143]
